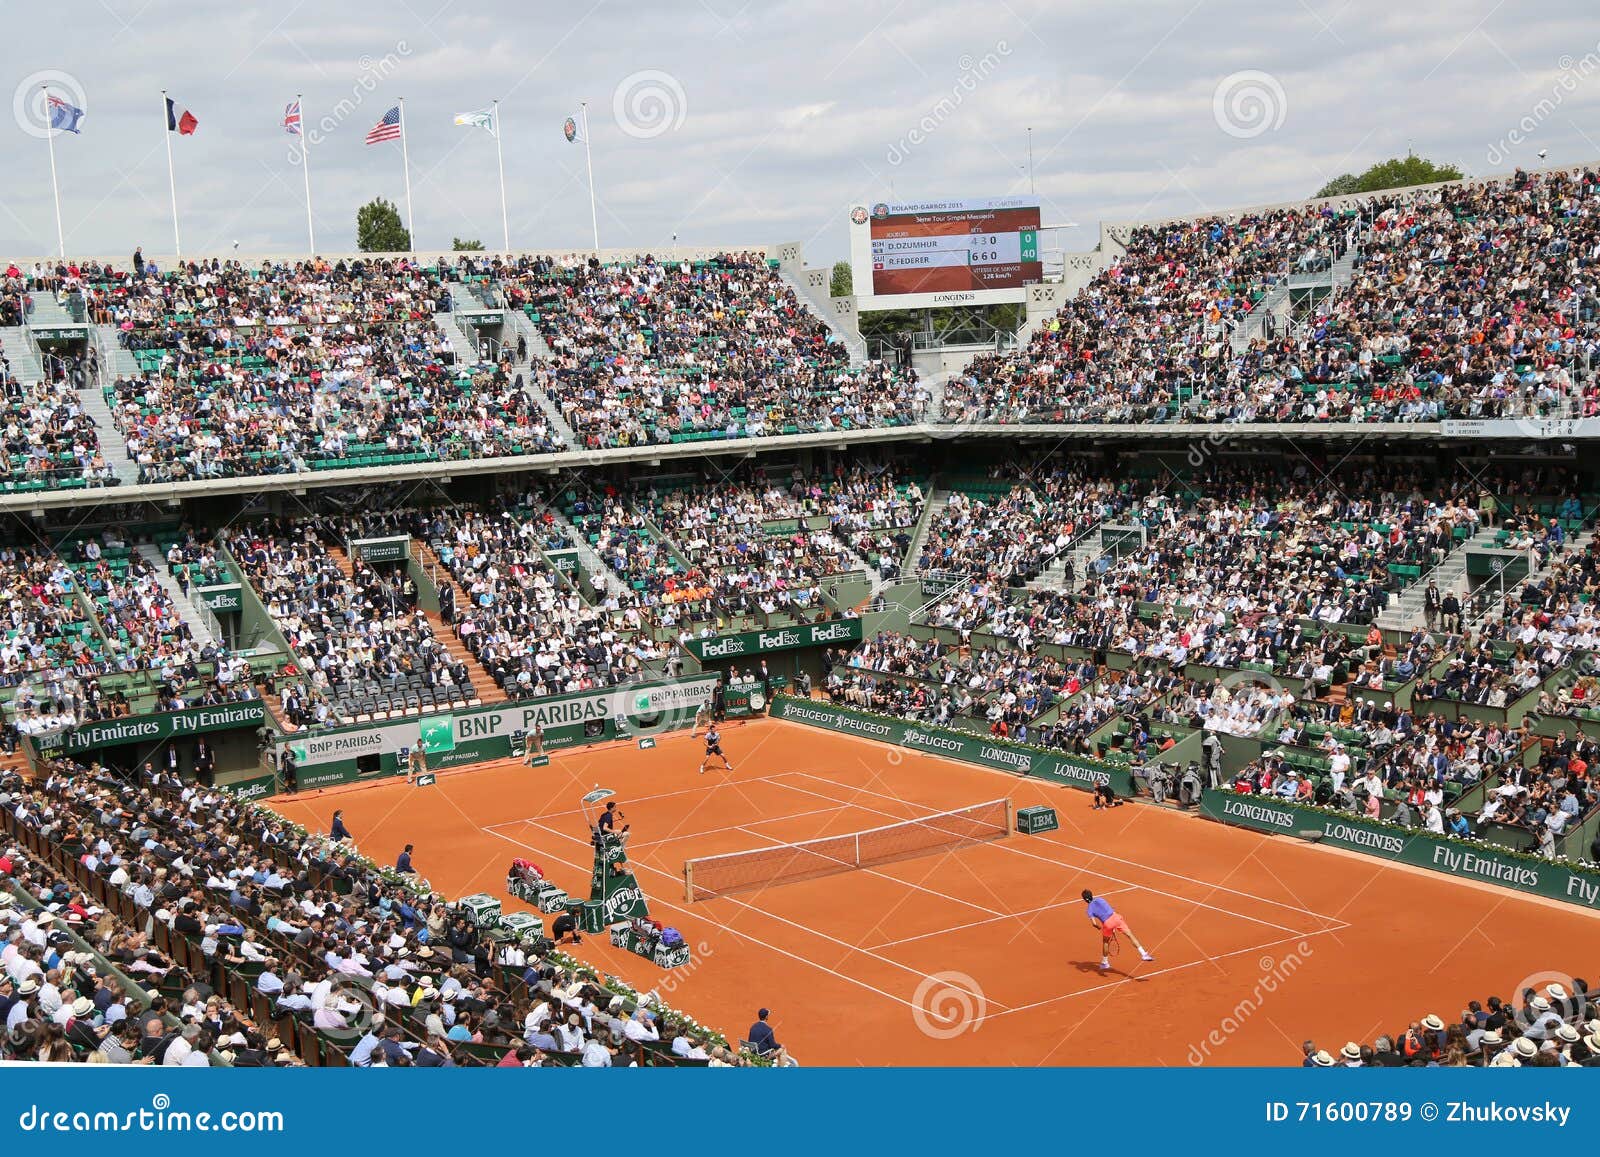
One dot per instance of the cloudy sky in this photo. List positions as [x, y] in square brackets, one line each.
[730, 122]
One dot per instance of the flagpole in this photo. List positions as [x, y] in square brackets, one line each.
[405, 161]
[55, 188]
[588, 157]
[499, 158]
[305, 169]
[172, 180]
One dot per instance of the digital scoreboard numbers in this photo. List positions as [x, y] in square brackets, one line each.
[954, 247]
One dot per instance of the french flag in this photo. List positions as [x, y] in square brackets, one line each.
[180, 120]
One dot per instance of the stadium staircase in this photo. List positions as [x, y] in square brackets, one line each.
[22, 354]
[461, 339]
[1276, 304]
[483, 685]
[45, 310]
[938, 499]
[538, 351]
[1405, 611]
[819, 303]
[197, 620]
[112, 444]
[121, 363]
[593, 564]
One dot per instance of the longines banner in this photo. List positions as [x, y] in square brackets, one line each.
[159, 728]
[751, 643]
[450, 739]
[1057, 767]
[1465, 859]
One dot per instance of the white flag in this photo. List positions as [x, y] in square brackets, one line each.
[482, 118]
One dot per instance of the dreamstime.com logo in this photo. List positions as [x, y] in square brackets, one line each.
[1248, 103]
[947, 1004]
[160, 1117]
[648, 104]
[1275, 973]
[372, 74]
[30, 102]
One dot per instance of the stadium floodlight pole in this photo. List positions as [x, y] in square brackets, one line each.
[305, 170]
[405, 163]
[588, 158]
[55, 188]
[500, 161]
[172, 180]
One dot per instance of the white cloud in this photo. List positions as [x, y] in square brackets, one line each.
[793, 111]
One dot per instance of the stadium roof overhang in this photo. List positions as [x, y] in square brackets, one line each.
[1213, 435]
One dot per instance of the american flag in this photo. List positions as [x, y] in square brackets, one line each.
[388, 129]
[291, 118]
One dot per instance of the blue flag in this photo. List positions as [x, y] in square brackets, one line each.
[64, 115]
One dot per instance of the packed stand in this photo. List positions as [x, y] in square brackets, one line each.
[656, 352]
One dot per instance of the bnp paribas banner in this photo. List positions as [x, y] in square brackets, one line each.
[1057, 767]
[450, 739]
[753, 643]
[1465, 859]
[159, 728]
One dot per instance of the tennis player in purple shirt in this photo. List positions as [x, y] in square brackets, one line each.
[1104, 917]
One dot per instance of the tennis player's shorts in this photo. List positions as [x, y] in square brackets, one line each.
[1113, 924]
[714, 749]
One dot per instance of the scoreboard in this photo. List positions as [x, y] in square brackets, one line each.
[946, 252]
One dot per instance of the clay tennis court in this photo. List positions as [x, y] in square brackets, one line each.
[980, 955]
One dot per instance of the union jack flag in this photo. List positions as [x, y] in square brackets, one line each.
[388, 129]
[291, 118]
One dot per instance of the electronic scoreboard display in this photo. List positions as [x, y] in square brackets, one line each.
[951, 247]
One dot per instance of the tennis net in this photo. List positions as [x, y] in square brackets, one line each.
[787, 863]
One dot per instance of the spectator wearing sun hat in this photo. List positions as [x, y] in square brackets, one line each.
[1542, 1019]
[1321, 1059]
[1350, 1056]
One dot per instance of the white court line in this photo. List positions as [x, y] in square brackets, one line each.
[700, 790]
[808, 929]
[992, 919]
[1304, 911]
[894, 879]
[1127, 979]
[744, 827]
[1055, 863]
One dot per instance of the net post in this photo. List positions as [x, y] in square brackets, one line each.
[688, 881]
[1011, 818]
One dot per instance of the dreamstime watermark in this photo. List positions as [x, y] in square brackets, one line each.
[649, 103]
[947, 1004]
[1571, 77]
[373, 73]
[973, 72]
[1275, 973]
[160, 1117]
[30, 101]
[675, 977]
[1248, 103]
[1538, 997]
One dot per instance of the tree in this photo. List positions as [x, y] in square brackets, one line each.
[1341, 186]
[378, 228]
[1395, 173]
[459, 245]
[841, 284]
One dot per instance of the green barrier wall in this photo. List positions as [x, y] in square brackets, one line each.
[1057, 767]
[326, 758]
[1464, 859]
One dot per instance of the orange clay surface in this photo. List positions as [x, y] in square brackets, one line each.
[981, 956]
